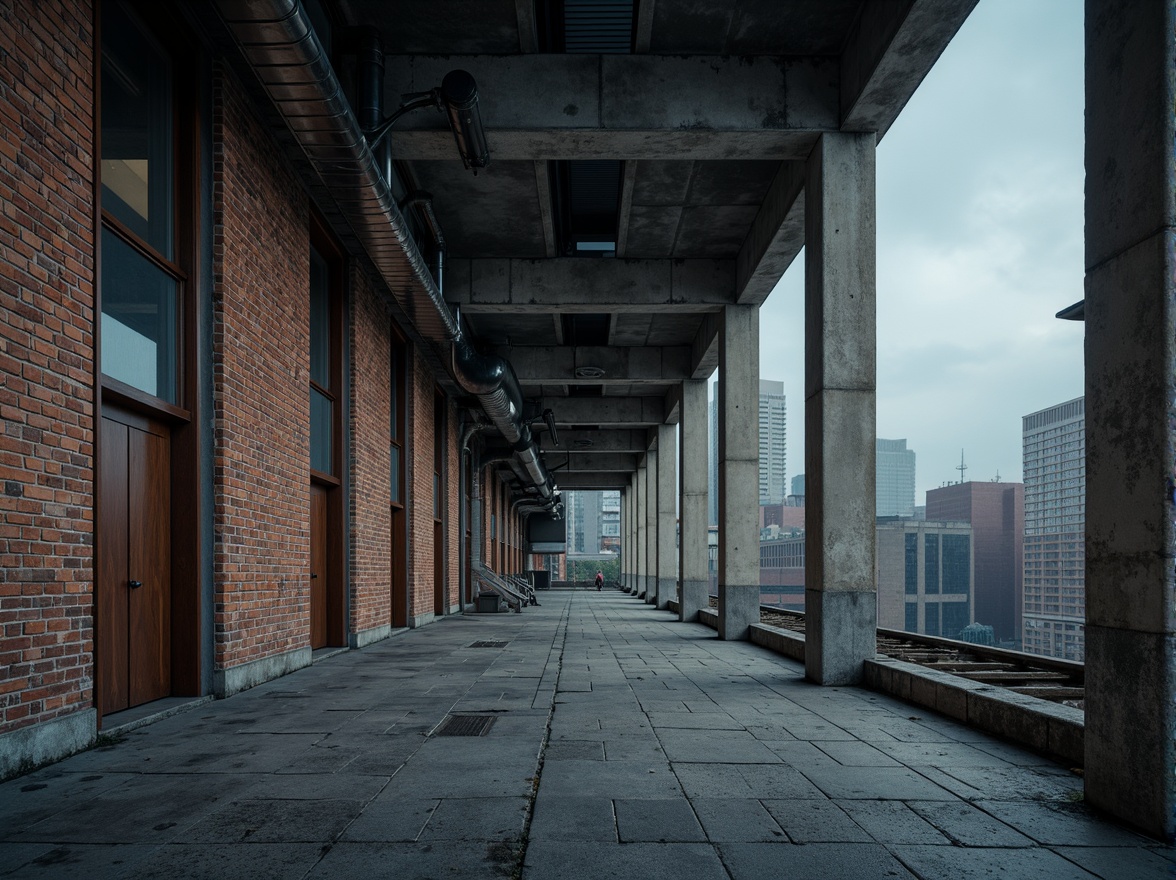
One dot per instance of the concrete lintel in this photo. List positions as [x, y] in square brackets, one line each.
[588, 462]
[890, 49]
[588, 441]
[595, 480]
[602, 99]
[776, 236]
[606, 412]
[634, 365]
[704, 350]
[568, 285]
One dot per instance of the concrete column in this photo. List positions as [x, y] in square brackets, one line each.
[649, 586]
[639, 528]
[624, 536]
[1131, 412]
[840, 342]
[692, 503]
[738, 427]
[667, 515]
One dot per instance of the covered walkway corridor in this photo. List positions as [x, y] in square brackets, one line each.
[620, 743]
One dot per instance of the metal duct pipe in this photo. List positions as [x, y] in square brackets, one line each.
[279, 43]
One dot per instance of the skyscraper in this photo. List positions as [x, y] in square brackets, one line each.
[773, 441]
[1054, 449]
[996, 512]
[894, 479]
[924, 576]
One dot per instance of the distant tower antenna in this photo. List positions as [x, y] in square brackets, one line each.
[996, 479]
[962, 468]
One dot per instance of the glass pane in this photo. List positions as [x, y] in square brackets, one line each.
[139, 329]
[320, 320]
[136, 129]
[396, 475]
[320, 432]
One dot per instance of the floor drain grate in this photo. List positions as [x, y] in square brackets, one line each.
[465, 725]
[489, 643]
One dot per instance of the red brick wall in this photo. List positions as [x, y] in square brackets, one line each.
[453, 506]
[420, 484]
[261, 314]
[371, 462]
[46, 360]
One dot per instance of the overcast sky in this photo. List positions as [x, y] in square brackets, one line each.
[980, 185]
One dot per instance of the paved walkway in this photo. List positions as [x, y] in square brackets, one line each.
[652, 750]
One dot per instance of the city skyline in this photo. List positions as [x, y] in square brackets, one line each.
[980, 200]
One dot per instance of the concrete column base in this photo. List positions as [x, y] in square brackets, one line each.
[694, 597]
[1125, 671]
[840, 634]
[667, 589]
[738, 610]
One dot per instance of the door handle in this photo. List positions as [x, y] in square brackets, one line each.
[313, 576]
[134, 585]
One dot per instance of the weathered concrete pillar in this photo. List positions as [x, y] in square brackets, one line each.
[1131, 412]
[738, 427]
[692, 510]
[667, 518]
[639, 530]
[649, 588]
[626, 496]
[840, 342]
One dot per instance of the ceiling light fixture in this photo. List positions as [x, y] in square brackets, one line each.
[589, 372]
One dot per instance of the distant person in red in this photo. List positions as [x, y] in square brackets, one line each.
[599, 580]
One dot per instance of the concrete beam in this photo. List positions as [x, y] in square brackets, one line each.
[562, 463]
[556, 365]
[776, 236]
[568, 284]
[626, 106]
[704, 350]
[606, 412]
[591, 441]
[890, 49]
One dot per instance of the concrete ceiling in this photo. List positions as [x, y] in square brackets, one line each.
[704, 126]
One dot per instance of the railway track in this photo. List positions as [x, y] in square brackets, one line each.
[1059, 681]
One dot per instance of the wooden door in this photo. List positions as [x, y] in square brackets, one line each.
[399, 569]
[133, 643]
[318, 566]
[439, 598]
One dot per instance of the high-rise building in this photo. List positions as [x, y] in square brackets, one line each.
[924, 576]
[773, 442]
[582, 509]
[610, 521]
[1054, 449]
[996, 512]
[894, 479]
[798, 486]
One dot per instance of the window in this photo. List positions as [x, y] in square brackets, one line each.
[912, 617]
[912, 564]
[957, 564]
[931, 618]
[931, 566]
[142, 281]
[324, 390]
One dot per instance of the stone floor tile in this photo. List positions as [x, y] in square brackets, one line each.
[875, 783]
[815, 822]
[1061, 824]
[392, 818]
[731, 820]
[954, 863]
[1120, 863]
[629, 779]
[547, 860]
[967, 825]
[661, 820]
[412, 860]
[844, 861]
[777, 781]
[892, 822]
[857, 754]
[574, 818]
[1019, 783]
[711, 781]
[731, 747]
[274, 821]
[476, 818]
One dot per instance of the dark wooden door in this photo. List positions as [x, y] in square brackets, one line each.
[439, 597]
[399, 569]
[133, 644]
[318, 566]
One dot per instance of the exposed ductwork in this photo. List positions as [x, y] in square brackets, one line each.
[278, 41]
